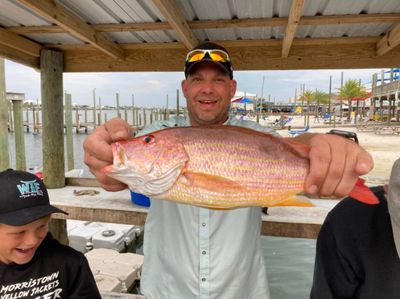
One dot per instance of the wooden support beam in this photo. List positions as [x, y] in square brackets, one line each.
[55, 12]
[4, 154]
[216, 24]
[19, 43]
[18, 56]
[348, 55]
[174, 16]
[51, 68]
[294, 17]
[389, 41]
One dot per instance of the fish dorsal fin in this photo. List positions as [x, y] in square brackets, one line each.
[209, 182]
[301, 149]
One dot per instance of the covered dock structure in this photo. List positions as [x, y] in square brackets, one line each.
[57, 36]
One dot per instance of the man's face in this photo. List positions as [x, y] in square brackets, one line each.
[208, 92]
[19, 243]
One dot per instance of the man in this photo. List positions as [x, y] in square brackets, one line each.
[358, 248]
[192, 252]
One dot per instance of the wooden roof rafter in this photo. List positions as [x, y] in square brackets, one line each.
[77, 27]
[176, 19]
[389, 41]
[224, 23]
[296, 11]
[19, 43]
[19, 56]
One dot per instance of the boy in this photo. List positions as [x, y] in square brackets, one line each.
[32, 263]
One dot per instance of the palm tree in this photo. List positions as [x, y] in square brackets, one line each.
[320, 97]
[352, 88]
[307, 96]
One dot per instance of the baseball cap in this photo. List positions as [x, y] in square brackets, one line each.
[394, 203]
[23, 198]
[211, 52]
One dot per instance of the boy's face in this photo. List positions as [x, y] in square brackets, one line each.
[19, 243]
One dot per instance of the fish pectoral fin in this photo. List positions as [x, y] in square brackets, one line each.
[209, 182]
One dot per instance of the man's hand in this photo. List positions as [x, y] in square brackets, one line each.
[98, 153]
[335, 164]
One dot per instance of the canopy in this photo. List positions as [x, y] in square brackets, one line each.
[242, 100]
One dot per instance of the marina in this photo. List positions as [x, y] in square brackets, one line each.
[46, 137]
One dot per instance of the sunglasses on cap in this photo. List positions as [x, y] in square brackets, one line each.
[215, 55]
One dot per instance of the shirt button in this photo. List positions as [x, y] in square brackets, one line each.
[203, 279]
[203, 224]
[203, 252]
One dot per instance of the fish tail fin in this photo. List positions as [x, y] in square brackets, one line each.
[363, 194]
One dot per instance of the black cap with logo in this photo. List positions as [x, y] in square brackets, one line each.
[23, 198]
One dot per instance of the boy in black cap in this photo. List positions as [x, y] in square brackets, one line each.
[32, 263]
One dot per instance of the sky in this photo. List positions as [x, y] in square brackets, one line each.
[150, 89]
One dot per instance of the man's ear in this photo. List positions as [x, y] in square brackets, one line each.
[233, 87]
[184, 87]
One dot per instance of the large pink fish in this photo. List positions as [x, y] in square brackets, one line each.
[219, 167]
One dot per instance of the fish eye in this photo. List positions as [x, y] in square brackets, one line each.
[148, 138]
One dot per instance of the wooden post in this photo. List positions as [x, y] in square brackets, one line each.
[166, 117]
[27, 118]
[19, 135]
[341, 100]
[77, 121]
[68, 131]
[10, 117]
[4, 155]
[51, 70]
[144, 117]
[177, 102]
[125, 114]
[133, 111]
[94, 108]
[99, 118]
[117, 98]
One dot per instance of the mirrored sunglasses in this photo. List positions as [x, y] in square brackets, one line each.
[215, 55]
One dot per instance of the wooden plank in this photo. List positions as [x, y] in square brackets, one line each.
[117, 207]
[19, 43]
[19, 57]
[243, 58]
[174, 16]
[294, 17]
[63, 17]
[224, 23]
[389, 41]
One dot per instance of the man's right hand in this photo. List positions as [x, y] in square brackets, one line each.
[98, 152]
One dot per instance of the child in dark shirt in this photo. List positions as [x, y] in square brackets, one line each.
[32, 263]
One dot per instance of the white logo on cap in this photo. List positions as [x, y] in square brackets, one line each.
[29, 188]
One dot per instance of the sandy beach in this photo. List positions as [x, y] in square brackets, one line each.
[383, 147]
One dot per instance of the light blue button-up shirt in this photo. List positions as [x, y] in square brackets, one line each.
[193, 252]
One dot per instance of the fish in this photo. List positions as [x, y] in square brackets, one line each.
[217, 167]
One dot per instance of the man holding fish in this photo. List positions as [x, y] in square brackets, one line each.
[201, 249]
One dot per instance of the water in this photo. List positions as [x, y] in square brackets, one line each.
[289, 261]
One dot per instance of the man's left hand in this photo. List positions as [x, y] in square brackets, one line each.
[335, 164]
